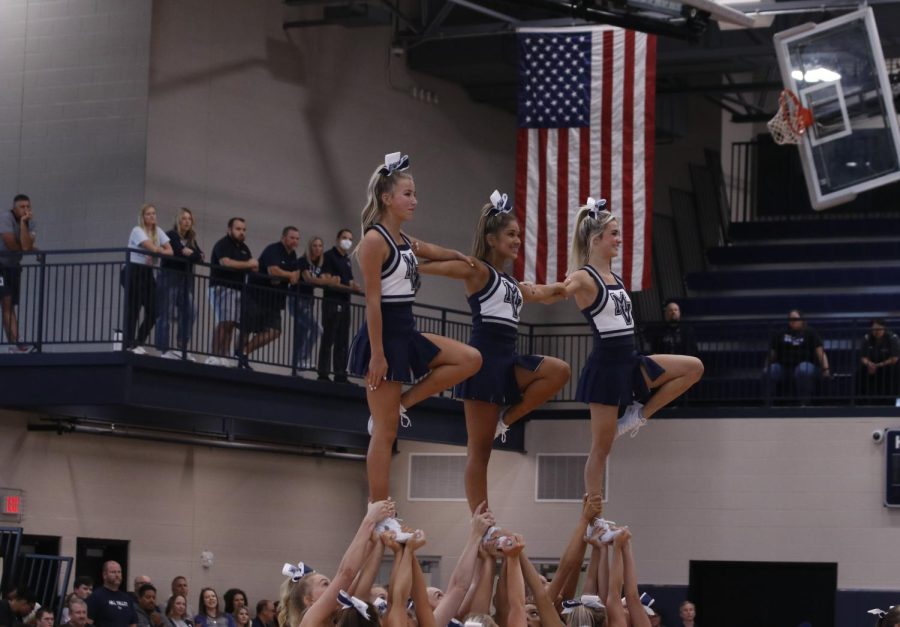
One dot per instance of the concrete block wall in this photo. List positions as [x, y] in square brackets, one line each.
[73, 115]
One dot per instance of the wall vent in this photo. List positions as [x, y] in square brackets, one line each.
[437, 477]
[560, 477]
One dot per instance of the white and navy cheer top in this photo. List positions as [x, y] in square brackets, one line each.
[498, 302]
[610, 313]
[400, 272]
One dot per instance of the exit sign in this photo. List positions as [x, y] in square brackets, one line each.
[11, 502]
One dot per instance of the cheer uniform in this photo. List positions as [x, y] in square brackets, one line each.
[495, 330]
[612, 372]
[407, 351]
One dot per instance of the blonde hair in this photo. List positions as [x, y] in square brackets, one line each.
[284, 595]
[488, 224]
[152, 234]
[586, 227]
[309, 250]
[190, 236]
[294, 606]
[583, 616]
[484, 619]
[379, 185]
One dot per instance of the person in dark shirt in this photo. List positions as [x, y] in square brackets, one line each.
[147, 612]
[306, 328]
[108, 606]
[796, 354]
[231, 261]
[13, 611]
[879, 352]
[674, 338]
[265, 614]
[278, 269]
[175, 288]
[336, 309]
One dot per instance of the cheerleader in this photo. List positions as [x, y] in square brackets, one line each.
[614, 374]
[509, 385]
[388, 350]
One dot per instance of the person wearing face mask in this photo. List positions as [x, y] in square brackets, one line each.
[336, 308]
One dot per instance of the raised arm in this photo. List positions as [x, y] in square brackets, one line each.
[320, 611]
[366, 579]
[615, 613]
[424, 615]
[545, 605]
[636, 609]
[462, 576]
[570, 562]
[515, 582]
[401, 584]
[484, 592]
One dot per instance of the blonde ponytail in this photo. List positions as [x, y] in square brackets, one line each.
[586, 227]
[379, 184]
[488, 223]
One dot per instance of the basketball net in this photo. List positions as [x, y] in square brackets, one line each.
[790, 121]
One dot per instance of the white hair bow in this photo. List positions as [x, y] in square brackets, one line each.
[596, 206]
[499, 203]
[298, 572]
[346, 601]
[588, 600]
[394, 162]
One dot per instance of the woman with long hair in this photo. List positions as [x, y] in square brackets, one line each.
[306, 329]
[176, 612]
[211, 615]
[614, 374]
[175, 291]
[508, 385]
[388, 350]
[139, 279]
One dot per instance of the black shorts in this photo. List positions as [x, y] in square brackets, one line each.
[10, 281]
[263, 316]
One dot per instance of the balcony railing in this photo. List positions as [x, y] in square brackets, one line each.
[76, 301]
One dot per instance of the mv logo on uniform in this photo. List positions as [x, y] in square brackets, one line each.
[623, 306]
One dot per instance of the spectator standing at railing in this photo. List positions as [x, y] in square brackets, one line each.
[231, 261]
[336, 308]
[278, 270]
[673, 337]
[306, 328]
[17, 235]
[141, 283]
[175, 291]
[793, 355]
[879, 352]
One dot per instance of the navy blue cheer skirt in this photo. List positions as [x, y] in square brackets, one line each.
[407, 351]
[612, 373]
[496, 381]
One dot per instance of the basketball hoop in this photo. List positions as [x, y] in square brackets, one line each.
[790, 121]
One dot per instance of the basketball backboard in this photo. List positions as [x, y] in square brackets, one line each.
[838, 71]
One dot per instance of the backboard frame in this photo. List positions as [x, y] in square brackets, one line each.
[819, 199]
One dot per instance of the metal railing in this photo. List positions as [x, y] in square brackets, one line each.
[10, 538]
[48, 577]
[77, 301]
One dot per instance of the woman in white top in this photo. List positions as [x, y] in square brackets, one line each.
[138, 279]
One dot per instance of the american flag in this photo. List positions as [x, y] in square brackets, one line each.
[586, 122]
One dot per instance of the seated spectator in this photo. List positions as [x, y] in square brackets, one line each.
[139, 581]
[148, 614]
[176, 612]
[242, 617]
[13, 611]
[76, 610]
[265, 614]
[879, 352]
[673, 338]
[81, 590]
[210, 614]
[793, 358]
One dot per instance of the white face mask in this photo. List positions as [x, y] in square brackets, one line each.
[346, 244]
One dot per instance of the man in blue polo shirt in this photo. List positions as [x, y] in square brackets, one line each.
[278, 269]
[108, 606]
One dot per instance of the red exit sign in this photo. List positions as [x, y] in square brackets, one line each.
[11, 502]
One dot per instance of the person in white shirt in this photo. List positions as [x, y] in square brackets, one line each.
[138, 277]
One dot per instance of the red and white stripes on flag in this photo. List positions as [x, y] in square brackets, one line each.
[605, 151]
